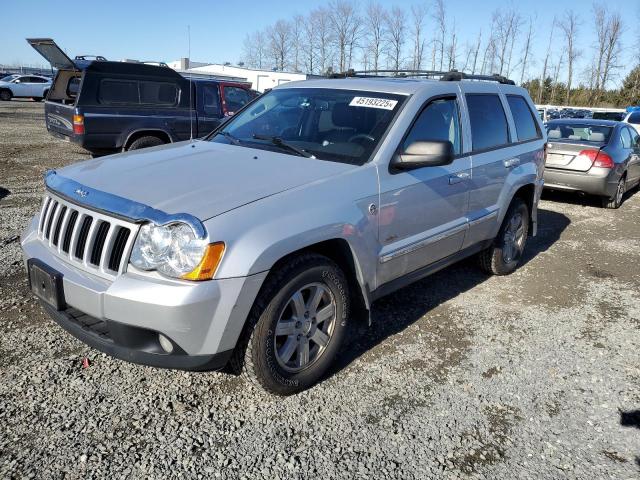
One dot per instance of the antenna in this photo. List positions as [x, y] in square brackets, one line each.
[190, 86]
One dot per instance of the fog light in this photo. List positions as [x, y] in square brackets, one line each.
[165, 343]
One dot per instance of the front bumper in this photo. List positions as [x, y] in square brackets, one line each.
[596, 181]
[202, 319]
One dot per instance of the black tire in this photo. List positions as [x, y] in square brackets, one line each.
[6, 95]
[257, 354]
[499, 259]
[144, 142]
[615, 201]
[36, 99]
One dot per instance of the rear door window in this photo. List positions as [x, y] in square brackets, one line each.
[211, 100]
[235, 98]
[489, 128]
[118, 91]
[526, 126]
[439, 121]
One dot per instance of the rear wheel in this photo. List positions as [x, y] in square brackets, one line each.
[5, 95]
[505, 253]
[616, 200]
[144, 142]
[296, 326]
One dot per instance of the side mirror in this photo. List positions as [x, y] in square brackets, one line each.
[432, 153]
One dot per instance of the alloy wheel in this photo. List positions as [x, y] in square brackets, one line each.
[305, 327]
[513, 239]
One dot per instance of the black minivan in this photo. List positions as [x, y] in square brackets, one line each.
[107, 107]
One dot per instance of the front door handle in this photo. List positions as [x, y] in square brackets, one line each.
[458, 177]
[512, 162]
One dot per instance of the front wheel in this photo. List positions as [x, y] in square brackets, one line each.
[296, 326]
[505, 253]
[615, 201]
[5, 95]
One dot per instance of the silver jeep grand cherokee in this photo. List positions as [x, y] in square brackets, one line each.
[254, 248]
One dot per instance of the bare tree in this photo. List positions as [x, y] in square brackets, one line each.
[440, 17]
[279, 38]
[452, 50]
[418, 14]
[613, 48]
[323, 38]
[297, 29]
[527, 50]
[374, 21]
[253, 49]
[395, 30]
[556, 75]
[309, 44]
[476, 52]
[547, 56]
[507, 24]
[344, 25]
[569, 27]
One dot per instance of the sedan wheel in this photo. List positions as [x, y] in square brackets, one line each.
[616, 200]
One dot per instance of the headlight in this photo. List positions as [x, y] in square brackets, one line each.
[175, 251]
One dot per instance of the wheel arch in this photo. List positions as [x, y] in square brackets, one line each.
[146, 132]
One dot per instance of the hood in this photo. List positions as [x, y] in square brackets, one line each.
[200, 178]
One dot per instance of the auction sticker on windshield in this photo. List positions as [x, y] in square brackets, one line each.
[383, 103]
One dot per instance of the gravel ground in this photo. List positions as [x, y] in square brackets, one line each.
[535, 375]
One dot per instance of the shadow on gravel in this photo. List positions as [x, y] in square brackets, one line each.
[3, 192]
[580, 199]
[397, 311]
[631, 419]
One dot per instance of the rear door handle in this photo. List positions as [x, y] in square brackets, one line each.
[512, 162]
[458, 177]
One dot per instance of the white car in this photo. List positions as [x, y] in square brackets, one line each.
[24, 86]
[633, 119]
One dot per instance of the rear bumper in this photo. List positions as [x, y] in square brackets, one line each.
[597, 181]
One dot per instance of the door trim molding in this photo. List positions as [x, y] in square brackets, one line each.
[423, 243]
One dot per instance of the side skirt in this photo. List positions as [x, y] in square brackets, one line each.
[409, 278]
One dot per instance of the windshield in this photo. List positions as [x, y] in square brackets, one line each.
[327, 124]
[582, 133]
[8, 78]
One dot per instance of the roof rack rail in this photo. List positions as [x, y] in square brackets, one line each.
[450, 76]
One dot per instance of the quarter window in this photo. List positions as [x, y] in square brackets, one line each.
[526, 126]
[119, 91]
[438, 121]
[626, 138]
[489, 126]
[138, 93]
[158, 93]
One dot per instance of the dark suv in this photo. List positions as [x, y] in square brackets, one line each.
[107, 107]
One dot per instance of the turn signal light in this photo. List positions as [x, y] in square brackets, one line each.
[207, 267]
[78, 124]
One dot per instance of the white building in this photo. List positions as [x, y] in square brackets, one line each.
[260, 79]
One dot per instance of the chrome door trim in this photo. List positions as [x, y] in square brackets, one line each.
[484, 218]
[423, 243]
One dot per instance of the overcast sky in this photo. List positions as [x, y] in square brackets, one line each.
[157, 30]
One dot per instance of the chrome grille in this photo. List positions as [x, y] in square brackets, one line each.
[90, 240]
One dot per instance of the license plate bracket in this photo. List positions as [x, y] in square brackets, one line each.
[46, 284]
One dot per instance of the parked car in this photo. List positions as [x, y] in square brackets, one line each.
[257, 247]
[633, 119]
[598, 157]
[614, 116]
[24, 86]
[107, 107]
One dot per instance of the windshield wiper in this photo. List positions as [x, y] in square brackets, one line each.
[232, 138]
[281, 143]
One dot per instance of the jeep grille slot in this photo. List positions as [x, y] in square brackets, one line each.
[98, 244]
[91, 241]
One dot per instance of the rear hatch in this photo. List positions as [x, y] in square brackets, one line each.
[61, 100]
[566, 156]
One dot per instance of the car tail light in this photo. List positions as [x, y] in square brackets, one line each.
[598, 158]
[78, 124]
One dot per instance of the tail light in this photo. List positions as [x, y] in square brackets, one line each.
[598, 158]
[78, 124]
